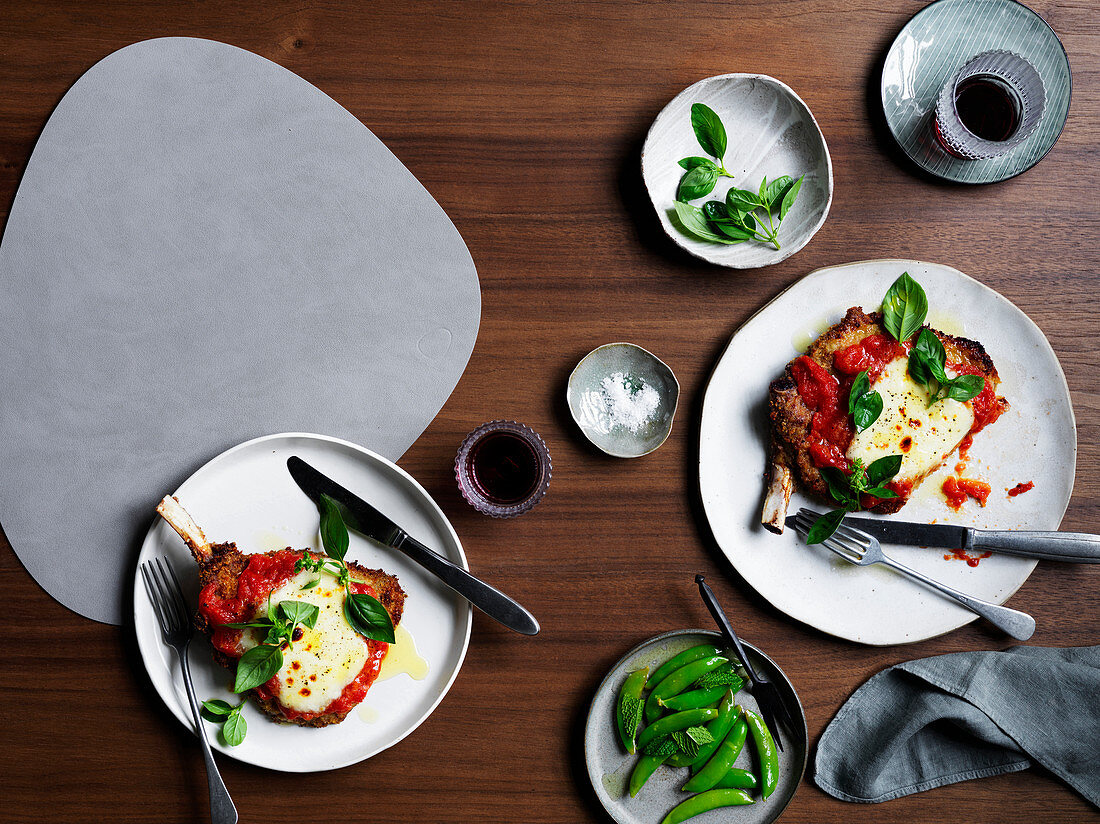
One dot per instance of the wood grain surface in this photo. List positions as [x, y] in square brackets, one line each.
[525, 121]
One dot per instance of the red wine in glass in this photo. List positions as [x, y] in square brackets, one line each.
[988, 107]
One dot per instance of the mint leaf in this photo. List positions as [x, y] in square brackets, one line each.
[686, 744]
[722, 677]
[700, 735]
[662, 747]
[630, 715]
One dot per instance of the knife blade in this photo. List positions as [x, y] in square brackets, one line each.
[1075, 547]
[365, 519]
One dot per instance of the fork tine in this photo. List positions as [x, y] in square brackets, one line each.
[153, 591]
[170, 605]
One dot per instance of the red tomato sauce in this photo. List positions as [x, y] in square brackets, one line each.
[963, 555]
[871, 355]
[1020, 489]
[957, 490]
[830, 428]
[264, 574]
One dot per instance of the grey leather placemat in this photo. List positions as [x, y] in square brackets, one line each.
[206, 248]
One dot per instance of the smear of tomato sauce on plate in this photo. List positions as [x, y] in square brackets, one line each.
[1021, 488]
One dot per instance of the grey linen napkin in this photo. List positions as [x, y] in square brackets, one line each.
[936, 721]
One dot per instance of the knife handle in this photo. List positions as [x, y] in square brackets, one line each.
[488, 599]
[1052, 546]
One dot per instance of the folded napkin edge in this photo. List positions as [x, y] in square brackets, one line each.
[929, 784]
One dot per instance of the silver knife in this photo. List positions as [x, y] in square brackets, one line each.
[1076, 547]
[367, 520]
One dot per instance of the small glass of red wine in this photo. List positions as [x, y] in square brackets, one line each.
[503, 468]
[990, 106]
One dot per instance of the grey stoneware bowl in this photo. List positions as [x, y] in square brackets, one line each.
[609, 765]
[770, 132]
[630, 369]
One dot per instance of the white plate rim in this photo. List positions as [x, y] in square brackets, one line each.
[150, 638]
[708, 404]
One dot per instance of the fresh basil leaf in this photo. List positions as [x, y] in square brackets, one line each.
[300, 612]
[883, 470]
[775, 191]
[311, 584]
[368, 617]
[215, 709]
[825, 526]
[789, 197]
[270, 610]
[709, 130]
[690, 163]
[733, 229]
[880, 492]
[699, 182]
[234, 729]
[334, 535]
[929, 345]
[867, 409]
[257, 666]
[748, 221]
[693, 222]
[919, 369]
[860, 386]
[763, 191]
[840, 486]
[279, 632]
[715, 210]
[904, 308]
[741, 200]
[965, 387]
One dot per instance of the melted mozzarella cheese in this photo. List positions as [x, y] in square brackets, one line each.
[923, 436]
[327, 657]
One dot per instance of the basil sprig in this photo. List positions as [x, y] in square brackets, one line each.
[234, 727]
[259, 664]
[864, 403]
[927, 360]
[846, 490]
[745, 215]
[365, 613]
[904, 308]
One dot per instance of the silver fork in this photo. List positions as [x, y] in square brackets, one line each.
[857, 547]
[175, 623]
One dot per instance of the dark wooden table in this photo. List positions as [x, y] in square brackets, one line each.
[525, 121]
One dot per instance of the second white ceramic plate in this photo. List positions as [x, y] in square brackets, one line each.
[1035, 440]
[246, 495]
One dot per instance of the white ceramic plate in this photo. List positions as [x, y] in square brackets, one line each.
[1035, 440]
[246, 495]
[770, 132]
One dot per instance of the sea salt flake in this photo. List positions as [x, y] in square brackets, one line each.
[629, 401]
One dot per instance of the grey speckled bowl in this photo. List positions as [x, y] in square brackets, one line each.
[770, 132]
[630, 371]
[609, 766]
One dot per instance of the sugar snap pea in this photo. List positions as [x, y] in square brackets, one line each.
[727, 714]
[693, 699]
[628, 714]
[677, 681]
[766, 756]
[674, 722]
[704, 802]
[686, 657]
[737, 780]
[722, 761]
[645, 767]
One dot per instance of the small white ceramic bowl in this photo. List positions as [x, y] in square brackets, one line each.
[638, 381]
[770, 132]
